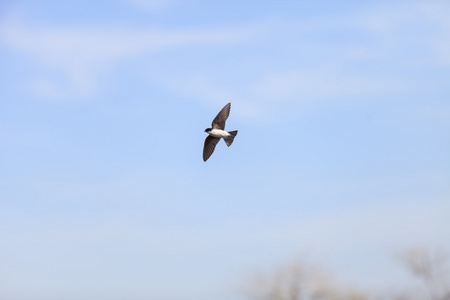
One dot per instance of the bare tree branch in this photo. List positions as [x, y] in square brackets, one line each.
[300, 281]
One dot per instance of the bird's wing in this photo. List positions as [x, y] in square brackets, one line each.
[222, 116]
[210, 145]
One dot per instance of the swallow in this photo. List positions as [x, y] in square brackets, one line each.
[217, 132]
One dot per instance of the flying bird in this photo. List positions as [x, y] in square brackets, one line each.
[217, 132]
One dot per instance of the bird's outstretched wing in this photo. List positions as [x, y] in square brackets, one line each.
[210, 145]
[222, 116]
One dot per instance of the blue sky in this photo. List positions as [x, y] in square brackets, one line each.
[343, 114]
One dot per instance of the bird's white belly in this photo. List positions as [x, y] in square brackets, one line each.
[218, 133]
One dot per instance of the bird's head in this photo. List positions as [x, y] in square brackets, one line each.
[208, 129]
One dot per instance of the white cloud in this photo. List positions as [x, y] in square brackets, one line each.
[152, 5]
[297, 87]
[48, 89]
[394, 47]
[395, 41]
[83, 53]
[327, 83]
[436, 13]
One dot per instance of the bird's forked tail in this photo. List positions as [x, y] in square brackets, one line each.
[229, 140]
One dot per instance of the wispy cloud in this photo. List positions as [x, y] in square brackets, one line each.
[382, 52]
[83, 53]
[152, 5]
[375, 52]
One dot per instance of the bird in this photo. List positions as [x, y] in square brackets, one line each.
[217, 132]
